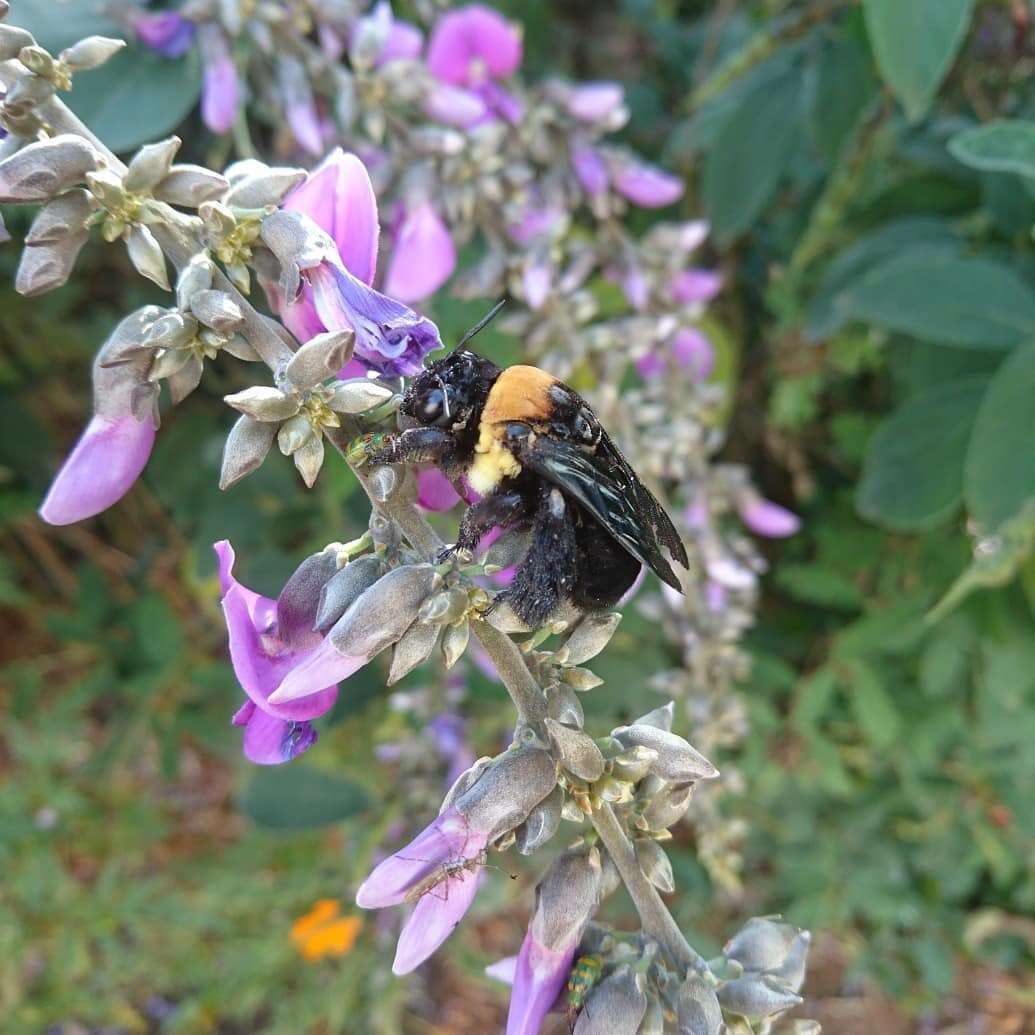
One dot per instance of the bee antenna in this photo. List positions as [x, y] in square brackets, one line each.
[482, 323]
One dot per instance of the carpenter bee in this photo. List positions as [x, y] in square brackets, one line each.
[535, 452]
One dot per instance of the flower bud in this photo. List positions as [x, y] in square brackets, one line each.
[343, 588]
[190, 186]
[147, 256]
[246, 447]
[577, 752]
[633, 765]
[454, 642]
[263, 403]
[698, 1008]
[660, 717]
[26, 95]
[508, 790]
[581, 679]
[299, 599]
[464, 781]
[591, 636]
[383, 483]
[40, 170]
[563, 704]
[294, 433]
[195, 277]
[358, 396]
[792, 971]
[90, 52]
[44, 267]
[756, 996]
[298, 244]
[61, 218]
[542, 823]
[263, 189]
[668, 806]
[320, 358]
[13, 40]
[412, 650]
[615, 1007]
[216, 309]
[761, 944]
[308, 459]
[151, 165]
[676, 761]
[655, 865]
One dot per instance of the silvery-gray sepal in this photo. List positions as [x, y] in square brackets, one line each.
[45, 168]
[344, 588]
[172, 330]
[756, 996]
[216, 309]
[385, 611]
[413, 649]
[106, 186]
[508, 790]
[308, 459]
[370, 37]
[383, 483]
[615, 1007]
[590, 637]
[13, 40]
[168, 362]
[358, 396]
[615, 792]
[186, 379]
[668, 806]
[571, 812]
[792, 971]
[464, 781]
[264, 189]
[445, 606]
[146, 255]
[566, 898]
[542, 823]
[580, 679]
[722, 968]
[263, 403]
[661, 717]
[655, 864]
[697, 1008]
[194, 278]
[633, 764]
[4, 235]
[437, 140]
[243, 168]
[190, 186]
[676, 760]
[43, 267]
[151, 165]
[294, 433]
[762, 943]
[238, 346]
[320, 358]
[91, 52]
[563, 704]
[299, 599]
[454, 642]
[653, 1022]
[26, 95]
[245, 449]
[298, 244]
[576, 751]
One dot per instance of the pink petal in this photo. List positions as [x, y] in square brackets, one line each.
[455, 106]
[646, 186]
[503, 970]
[304, 121]
[692, 348]
[321, 668]
[590, 170]
[472, 42]
[100, 470]
[423, 256]
[436, 915]
[636, 288]
[539, 979]
[435, 491]
[650, 365]
[592, 102]
[404, 43]
[220, 87]
[769, 519]
[695, 285]
[272, 741]
[535, 283]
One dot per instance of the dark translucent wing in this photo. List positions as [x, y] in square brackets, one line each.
[603, 482]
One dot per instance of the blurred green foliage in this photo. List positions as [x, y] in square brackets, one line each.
[869, 171]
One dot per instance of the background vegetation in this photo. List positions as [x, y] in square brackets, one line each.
[873, 220]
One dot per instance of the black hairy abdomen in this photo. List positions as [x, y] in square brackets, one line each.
[604, 571]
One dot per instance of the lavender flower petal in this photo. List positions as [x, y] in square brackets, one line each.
[471, 44]
[166, 32]
[423, 255]
[433, 920]
[646, 186]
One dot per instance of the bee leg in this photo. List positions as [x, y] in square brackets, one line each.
[415, 445]
[501, 508]
[547, 574]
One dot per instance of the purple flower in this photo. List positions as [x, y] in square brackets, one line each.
[590, 170]
[449, 841]
[166, 32]
[455, 106]
[472, 47]
[647, 186]
[594, 102]
[423, 255]
[693, 349]
[695, 285]
[768, 519]
[220, 87]
[536, 282]
[403, 41]
[435, 491]
[116, 444]
[263, 648]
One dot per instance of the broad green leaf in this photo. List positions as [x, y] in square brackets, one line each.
[844, 84]
[947, 300]
[915, 43]
[873, 706]
[295, 796]
[1007, 145]
[999, 475]
[818, 585]
[912, 479]
[57, 24]
[750, 155]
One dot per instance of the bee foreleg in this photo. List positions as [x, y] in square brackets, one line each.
[414, 446]
[502, 509]
[548, 573]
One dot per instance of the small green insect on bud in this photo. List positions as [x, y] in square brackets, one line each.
[584, 975]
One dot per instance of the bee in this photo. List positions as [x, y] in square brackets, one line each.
[584, 975]
[537, 455]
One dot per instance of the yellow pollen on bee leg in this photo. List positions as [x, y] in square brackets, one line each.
[492, 462]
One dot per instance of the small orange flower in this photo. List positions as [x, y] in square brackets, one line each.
[322, 932]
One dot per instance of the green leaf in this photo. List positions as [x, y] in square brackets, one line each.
[915, 43]
[844, 84]
[946, 299]
[297, 797]
[817, 585]
[750, 155]
[1007, 145]
[874, 709]
[912, 479]
[999, 474]
[57, 25]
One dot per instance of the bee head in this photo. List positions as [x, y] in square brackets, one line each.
[450, 392]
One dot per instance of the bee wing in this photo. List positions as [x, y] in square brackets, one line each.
[604, 483]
